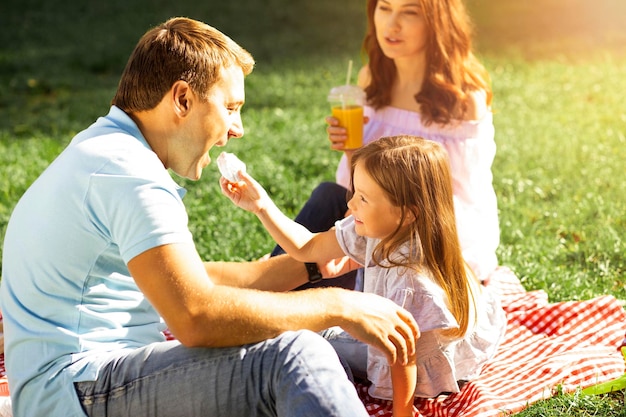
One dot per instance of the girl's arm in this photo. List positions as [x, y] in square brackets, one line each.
[294, 238]
[403, 379]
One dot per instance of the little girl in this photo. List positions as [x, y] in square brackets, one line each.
[402, 229]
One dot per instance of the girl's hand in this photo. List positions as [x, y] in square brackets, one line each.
[246, 193]
[337, 267]
[337, 135]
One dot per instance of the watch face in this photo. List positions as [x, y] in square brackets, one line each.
[314, 273]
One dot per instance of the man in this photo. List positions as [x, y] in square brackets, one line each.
[98, 260]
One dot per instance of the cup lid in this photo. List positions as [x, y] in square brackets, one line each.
[347, 93]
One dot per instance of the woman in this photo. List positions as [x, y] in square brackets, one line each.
[422, 79]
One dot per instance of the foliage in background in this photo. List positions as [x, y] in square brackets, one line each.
[557, 68]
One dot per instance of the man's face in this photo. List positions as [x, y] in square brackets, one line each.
[211, 122]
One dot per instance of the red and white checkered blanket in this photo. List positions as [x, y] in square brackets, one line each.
[548, 347]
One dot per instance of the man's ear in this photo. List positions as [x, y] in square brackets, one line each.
[182, 97]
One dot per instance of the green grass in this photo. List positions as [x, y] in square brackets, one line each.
[578, 405]
[558, 69]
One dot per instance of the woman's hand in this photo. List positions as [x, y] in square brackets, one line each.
[338, 135]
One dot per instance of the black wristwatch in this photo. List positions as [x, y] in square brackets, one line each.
[314, 272]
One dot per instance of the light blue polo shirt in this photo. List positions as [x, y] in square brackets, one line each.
[66, 294]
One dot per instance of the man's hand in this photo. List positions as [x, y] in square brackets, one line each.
[381, 323]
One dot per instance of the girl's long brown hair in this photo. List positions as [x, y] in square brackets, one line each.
[452, 70]
[415, 175]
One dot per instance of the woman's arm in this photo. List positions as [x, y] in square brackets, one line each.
[477, 106]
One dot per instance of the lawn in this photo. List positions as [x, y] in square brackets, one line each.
[557, 69]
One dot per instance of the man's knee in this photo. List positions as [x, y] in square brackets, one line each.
[307, 346]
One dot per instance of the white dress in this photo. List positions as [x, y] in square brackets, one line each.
[471, 149]
[442, 361]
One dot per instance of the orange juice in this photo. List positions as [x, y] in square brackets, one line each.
[351, 117]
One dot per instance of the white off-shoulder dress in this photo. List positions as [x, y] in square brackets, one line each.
[471, 149]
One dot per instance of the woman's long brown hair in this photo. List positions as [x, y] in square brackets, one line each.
[452, 70]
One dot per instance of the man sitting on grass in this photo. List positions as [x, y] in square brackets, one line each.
[98, 259]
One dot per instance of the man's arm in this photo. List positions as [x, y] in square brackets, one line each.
[201, 313]
[278, 273]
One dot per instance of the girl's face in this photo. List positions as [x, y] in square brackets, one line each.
[400, 28]
[374, 215]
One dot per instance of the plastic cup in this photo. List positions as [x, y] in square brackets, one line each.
[346, 104]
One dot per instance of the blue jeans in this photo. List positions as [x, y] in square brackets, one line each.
[327, 204]
[351, 352]
[295, 374]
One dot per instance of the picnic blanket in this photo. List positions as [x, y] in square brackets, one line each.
[548, 348]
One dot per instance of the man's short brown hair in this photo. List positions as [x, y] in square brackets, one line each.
[178, 49]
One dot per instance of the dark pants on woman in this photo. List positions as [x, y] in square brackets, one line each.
[327, 204]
